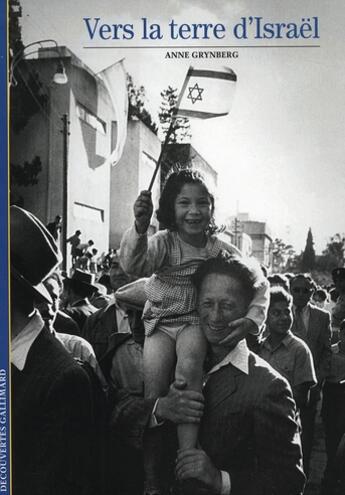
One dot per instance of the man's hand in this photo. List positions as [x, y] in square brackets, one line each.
[143, 209]
[240, 329]
[179, 405]
[194, 463]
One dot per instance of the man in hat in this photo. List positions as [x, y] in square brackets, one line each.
[77, 290]
[338, 310]
[52, 405]
[78, 347]
[111, 319]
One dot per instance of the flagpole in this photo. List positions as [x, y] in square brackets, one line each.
[168, 134]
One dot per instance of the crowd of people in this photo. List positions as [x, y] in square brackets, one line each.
[174, 366]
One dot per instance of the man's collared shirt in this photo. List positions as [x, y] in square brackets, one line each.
[305, 314]
[21, 344]
[121, 319]
[238, 357]
[292, 358]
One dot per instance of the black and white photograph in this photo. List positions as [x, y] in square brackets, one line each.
[176, 283]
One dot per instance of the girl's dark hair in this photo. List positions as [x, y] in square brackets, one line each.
[172, 188]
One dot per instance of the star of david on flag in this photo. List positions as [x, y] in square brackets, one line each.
[207, 93]
[195, 93]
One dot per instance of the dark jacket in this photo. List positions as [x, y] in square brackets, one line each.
[249, 429]
[79, 311]
[52, 422]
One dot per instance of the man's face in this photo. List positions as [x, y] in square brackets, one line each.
[220, 300]
[279, 317]
[301, 292]
[49, 310]
[117, 276]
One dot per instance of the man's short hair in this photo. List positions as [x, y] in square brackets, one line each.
[321, 293]
[306, 277]
[247, 272]
[278, 279]
[279, 294]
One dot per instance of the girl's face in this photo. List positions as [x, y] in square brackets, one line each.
[193, 212]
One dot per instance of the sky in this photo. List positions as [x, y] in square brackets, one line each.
[279, 153]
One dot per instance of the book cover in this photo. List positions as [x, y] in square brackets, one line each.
[91, 90]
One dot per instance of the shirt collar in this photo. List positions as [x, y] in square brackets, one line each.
[304, 310]
[238, 357]
[286, 340]
[21, 344]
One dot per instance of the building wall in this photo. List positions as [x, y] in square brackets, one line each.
[261, 238]
[88, 190]
[132, 174]
[42, 137]
[88, 176]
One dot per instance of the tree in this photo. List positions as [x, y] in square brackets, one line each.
[308, 256]
[23, 175]
[283, 256]
[333, 255]
[26, 175]
[14, 29]
[181, 129]
[136, 105]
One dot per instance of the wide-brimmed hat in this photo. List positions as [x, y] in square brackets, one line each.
[82, 281]
[34, 253]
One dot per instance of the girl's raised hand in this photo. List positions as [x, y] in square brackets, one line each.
[143, 209]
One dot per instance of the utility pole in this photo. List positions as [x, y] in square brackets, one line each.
[237, 230]
[65, 133]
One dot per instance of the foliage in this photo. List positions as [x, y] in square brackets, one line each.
[308, 256]
[181, 128]
[25, 175]
[27, 98]
[284, 256]
[136, 105]
[333, 255]
[14, 28]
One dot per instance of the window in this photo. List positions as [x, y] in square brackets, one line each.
[91, 119]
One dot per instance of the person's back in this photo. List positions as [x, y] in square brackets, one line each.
[51, 421]
[52, 404]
